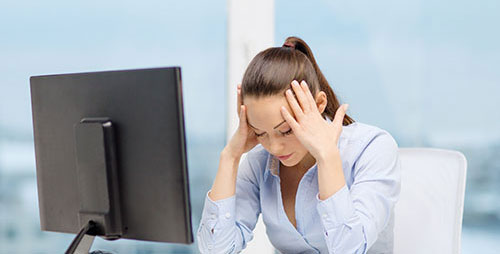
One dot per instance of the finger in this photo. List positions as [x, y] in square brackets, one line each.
[301, 96]
[294, 105]
[307, 92]
[339, 115]
[289, 119]
[238, 98]
[244, 123]
[243, 118]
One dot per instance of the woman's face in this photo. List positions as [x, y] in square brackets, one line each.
[271, 129]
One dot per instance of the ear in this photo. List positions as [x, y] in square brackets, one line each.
[321, 101]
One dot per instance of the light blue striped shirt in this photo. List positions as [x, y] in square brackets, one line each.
[357, 219]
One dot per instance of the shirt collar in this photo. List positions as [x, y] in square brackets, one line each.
[272, 166]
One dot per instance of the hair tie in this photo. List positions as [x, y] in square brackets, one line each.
[289, 45]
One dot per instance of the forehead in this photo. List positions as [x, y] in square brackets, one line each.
[264, 113]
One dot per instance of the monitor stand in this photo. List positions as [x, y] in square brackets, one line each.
[97, 177]
[83, 240]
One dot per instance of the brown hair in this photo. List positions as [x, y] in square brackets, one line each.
[271, 71]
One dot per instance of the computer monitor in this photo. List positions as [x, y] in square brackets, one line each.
[111, 155]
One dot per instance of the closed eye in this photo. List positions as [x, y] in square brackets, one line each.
[288, 132]
[259, 135]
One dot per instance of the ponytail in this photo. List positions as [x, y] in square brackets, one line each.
[332, 101]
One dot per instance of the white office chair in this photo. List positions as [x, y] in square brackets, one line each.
[428, 215]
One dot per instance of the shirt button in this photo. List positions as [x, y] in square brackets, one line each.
[227, 215]
[325, 215]
[209, 246]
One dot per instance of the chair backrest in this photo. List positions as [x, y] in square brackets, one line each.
[428, 215]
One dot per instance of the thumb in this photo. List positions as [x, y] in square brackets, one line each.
[243, 117]
[339, 115]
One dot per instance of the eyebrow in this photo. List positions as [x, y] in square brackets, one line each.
[273, 128]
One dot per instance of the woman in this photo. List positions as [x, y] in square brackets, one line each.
[323, 183]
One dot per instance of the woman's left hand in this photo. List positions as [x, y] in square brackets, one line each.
[315, 133]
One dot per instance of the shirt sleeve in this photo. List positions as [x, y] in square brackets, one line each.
[226, 225]
[353, 217]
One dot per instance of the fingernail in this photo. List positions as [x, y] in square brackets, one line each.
[295, 82]
[346, 107]
[289, 91]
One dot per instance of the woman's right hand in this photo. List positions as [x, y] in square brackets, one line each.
[244, 139]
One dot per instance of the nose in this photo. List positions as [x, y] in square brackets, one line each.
[275, 146]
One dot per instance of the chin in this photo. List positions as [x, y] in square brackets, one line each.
[290, 163]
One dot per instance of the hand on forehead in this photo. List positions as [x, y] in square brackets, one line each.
[264, 113]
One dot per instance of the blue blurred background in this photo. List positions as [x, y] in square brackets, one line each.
[426, 71]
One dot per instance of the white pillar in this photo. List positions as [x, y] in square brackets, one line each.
[250, 30]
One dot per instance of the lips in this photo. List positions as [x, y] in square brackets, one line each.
[284, 157]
